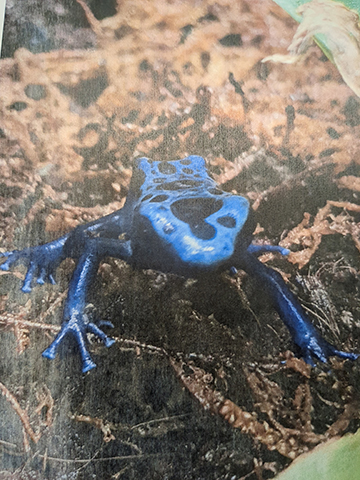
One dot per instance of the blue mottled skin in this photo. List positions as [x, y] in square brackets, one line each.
[177, 220]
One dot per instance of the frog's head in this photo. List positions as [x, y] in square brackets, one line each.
[181, 208]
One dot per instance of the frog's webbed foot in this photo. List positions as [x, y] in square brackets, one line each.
[79, 326]
[41, 262]
[77, 322]
[312, 345]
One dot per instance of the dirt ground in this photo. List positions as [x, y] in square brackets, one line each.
[203, 381]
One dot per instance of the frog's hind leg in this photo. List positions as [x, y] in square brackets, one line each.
[304, 334]
[76, 321]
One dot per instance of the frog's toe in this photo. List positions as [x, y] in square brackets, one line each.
[105, 323]
[87, 365]
[30, 274]
[92, 328]
[12, 258]
[45, 276]
[41, 278]
[331, 351]
[6, 265]
[50, 352]
[346, 355]
[322, 350]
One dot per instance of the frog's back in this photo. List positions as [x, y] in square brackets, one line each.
[182, 222]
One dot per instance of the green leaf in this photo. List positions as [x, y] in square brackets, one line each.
[290, 6]
[335, 27]
[333, 460]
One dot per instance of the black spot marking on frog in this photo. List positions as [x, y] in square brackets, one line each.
[194, 211]
[227, 221]
[159, 198]
[215, 191]
[167, 168]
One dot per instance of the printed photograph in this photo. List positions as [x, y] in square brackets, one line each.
[179, 240]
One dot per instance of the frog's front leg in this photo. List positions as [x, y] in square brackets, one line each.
[305, 335]
[260, 249]
[41, 261]
[76, 321]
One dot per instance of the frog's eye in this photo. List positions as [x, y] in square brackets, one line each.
[166, 168]
[194, 211]
[185, 161]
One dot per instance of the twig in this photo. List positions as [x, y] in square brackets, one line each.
[137, 344]
[107, 459]
[11, 320]
[158, 420]
[90, 17]
[35, 437]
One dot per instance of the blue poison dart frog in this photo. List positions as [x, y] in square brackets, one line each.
[176, 220]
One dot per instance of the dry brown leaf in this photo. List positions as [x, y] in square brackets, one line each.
[349, 181]
[54, 130]
[339, 26]
[288, 441]
[325, 223]
[99, 423]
